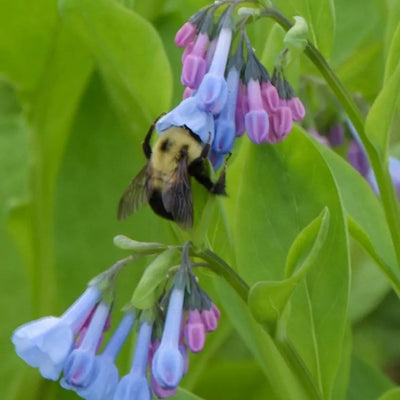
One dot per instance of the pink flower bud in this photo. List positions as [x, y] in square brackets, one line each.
[185, 34]
[195, 333]
[297, 108]
[282, 121]
[210, 320]
[270, 97]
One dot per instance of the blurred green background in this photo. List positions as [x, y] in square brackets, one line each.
[80, 82]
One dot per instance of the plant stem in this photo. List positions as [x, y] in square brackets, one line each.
[220, 267]
[383, 178]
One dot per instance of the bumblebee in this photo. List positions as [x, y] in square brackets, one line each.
[164, 182]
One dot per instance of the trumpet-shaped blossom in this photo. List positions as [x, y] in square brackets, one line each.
[225, 128]
[168, 363]
[46, 343]
[213, 89]
[187, 113]
[105, 375]
[79, 366]
[135, 386]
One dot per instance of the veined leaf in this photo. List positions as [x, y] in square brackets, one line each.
[115, 37]
[267, 299]
[380, 116]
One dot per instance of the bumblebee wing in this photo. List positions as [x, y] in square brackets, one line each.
[134, 196]
[177, 195]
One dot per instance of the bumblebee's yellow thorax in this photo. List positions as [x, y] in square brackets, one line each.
[168, 149]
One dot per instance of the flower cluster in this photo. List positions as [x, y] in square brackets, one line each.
[69, 346]
[228, 91]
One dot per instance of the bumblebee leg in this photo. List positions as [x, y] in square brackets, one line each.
[198, 170]
[206, 149]
[146, 143]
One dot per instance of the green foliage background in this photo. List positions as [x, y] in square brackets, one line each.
[81, 81]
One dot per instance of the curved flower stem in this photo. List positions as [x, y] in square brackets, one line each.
[385, 184]
[220, 267]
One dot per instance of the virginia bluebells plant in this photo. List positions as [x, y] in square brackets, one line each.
[227, 89]
[71, 344]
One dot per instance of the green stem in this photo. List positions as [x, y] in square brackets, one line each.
[220, 267]
[383, 178]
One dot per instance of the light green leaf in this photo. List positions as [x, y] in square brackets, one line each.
[146, 293]
[289, 184]
[380, 116]
[183, 394]
[373, 232]
[127, 50]
[283, 382]
[393, 56]
[27, 30]
[267, 299]
[320, 17]
[393, 394]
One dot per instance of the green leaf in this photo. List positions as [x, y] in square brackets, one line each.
[129, 53]
[56, 101]
[392, 59]
[285, 187]
[183, 394]
[366, 382]
[283, 382]
[267, 299]
[27, 30]
[393, 394]
[372, 232]
[380, 116]
[146, 293]
[320, 17]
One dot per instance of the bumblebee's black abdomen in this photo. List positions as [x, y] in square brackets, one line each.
[156, 203]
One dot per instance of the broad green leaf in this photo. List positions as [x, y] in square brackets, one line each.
[320, 17]
[394, 50]
[129, 54]
[267, 299]
[27, 30]
[183, 394]
[284, 187]
[380, 116]
[283, 382]
[393, 394]
[358, 22]
[355, 77]
[361, 236]
[15, 288]
[100, 160]
[146, 293]
[366, 382]
[56, 100]
[370, 217]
